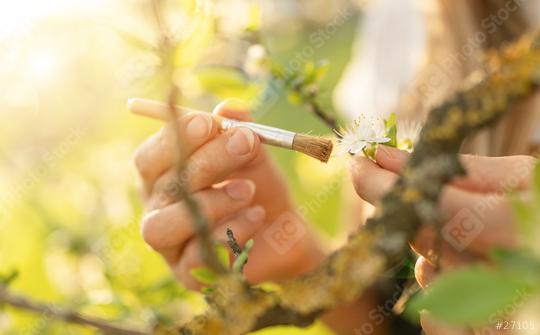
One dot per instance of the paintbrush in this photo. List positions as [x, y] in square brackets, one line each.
[314, 146]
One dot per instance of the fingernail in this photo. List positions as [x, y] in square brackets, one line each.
[256, 214]
[241, 189]
[233, 104]
[241, 142]
[199, 126]
[389, 153]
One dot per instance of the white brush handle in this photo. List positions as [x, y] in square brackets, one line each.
[268, 135]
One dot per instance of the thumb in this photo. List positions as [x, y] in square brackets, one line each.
[234, 108]
[484, 174]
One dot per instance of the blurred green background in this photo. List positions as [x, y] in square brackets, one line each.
[69, 209]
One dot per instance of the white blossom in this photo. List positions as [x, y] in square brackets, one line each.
[408, 133]
[360, 133]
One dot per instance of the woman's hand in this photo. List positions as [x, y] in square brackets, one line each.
[237, 186]
[476, 206]
[478, 212]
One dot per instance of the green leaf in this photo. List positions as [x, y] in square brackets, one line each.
[309, 67]
[226, 82]
[254, 17]
[518, 261]
[527, 213]
[522, 211]
[268, 286]
[313, 72]
[525, 216]
[370, 151]
[295, 98]
[277, 70]
[322, 69]
[391, 130]
[223, 255]
[241, 260]
[468, 297]
[162, 318]
[309, 73]
[167, 286]
[208, 290]
[204, 275]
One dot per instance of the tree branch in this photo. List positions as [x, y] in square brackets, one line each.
[178, 187]
[328, 120]
[208, 253]
[60, 314]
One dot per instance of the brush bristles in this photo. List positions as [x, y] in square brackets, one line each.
[317, 147]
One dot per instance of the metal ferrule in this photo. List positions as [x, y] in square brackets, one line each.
[268, 135]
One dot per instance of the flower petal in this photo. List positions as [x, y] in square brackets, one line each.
[357, 147]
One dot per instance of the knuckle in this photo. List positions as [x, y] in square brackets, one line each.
[150, 234]
[154, 154]
[169, 186]
[184, 119]
[140, 162]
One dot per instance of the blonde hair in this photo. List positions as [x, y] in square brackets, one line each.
[459, 32]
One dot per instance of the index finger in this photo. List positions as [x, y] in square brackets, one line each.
[159, 152]
[484, 174]
[476, 222]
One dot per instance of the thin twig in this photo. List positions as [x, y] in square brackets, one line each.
[62, 314]
[328, 120]
[315, 108]
[208, 253]
[165, 41]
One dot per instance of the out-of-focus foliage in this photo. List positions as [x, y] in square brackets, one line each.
[69, 209]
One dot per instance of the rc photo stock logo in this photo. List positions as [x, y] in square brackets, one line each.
[462, 229]
[285, 232]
